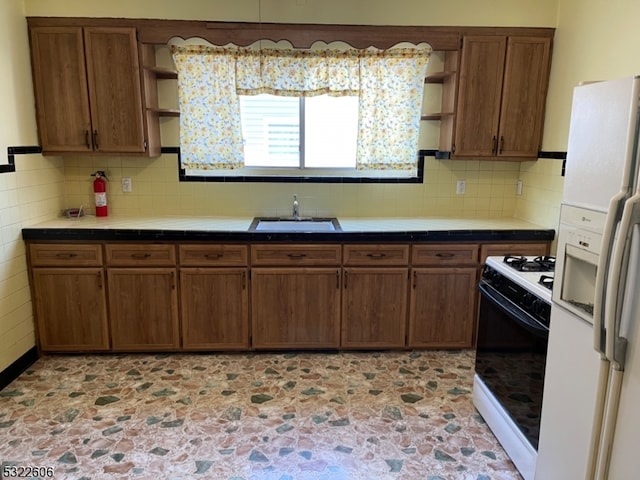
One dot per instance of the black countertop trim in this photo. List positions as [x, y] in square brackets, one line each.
[63, 234]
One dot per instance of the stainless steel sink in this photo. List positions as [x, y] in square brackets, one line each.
[290, 224]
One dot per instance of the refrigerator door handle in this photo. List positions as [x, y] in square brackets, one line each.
[612, 365]
[602, 272]
[615, 343]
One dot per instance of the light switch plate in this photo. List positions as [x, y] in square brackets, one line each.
[461, 187]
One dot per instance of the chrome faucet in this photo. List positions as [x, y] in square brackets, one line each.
[296, 212]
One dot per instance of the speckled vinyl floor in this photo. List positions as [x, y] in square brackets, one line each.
[263, 416]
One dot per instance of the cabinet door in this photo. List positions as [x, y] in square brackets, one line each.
[143, 305]
[295, 307]
[479, 95]
[60, 85]
[215, 308]
[71, 310]
[114, 89]
[374, 307]
[526, 77]
[442, 310]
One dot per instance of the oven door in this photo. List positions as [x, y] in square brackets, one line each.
[510, 358]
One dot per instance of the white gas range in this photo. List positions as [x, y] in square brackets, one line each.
[535, 274]
[513, 331]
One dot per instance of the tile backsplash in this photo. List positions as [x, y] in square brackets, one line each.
[34, 193]
[490, 191]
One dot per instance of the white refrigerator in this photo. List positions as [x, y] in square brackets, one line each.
[590, 426]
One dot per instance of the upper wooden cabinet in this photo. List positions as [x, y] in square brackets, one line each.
[88, 90]
[501, 96]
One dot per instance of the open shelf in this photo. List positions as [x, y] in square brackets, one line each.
[165, 112]
[161, 72]
[438, 77]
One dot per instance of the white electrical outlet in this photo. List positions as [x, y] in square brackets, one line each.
[126, 184]
[461, 186]
[519, 187]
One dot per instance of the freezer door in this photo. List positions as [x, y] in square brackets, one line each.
[624, 462]
[570, 382]
[600, 156]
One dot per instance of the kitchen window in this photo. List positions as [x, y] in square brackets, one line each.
[299, 114]
[304, 133]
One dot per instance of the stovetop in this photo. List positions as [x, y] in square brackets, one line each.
[527, 272]
[531, 264]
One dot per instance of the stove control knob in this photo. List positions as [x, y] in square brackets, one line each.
[538, 307]
[496, 279]
[528, 301]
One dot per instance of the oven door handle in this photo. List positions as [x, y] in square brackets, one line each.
[511, 309]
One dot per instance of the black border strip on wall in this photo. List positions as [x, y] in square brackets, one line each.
[183, 177]
[438, 155]
[14, 370]
[12, 152]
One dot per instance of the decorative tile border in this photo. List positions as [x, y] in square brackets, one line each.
[12, 152]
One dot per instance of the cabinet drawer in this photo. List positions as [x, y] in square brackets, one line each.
[376, 254]
[220, 255]
[515, 249]
[296, 255]
[444, 254]
[140, 255]
[54, 255]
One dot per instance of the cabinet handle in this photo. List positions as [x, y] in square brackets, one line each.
[87, 139]
[338, 279]
[95, 139]
[415, 279]
[244, 280]
[140, 256]
[99, 274]
[296, 256]
[501, 144]
[376, 256]
[494, 145]
[173, 280]
[445, 255]
[66, 255]
[213, 256]
[346, 276]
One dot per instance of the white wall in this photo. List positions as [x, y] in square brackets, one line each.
[595, 40]
[31, 194]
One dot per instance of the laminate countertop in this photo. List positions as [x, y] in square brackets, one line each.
[183, 228]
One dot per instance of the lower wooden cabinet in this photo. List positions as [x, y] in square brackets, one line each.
[442, 307]
[143, 307]
[70, 306]
[214, 307]
[374, 307]
[164, 296]
[295, 307]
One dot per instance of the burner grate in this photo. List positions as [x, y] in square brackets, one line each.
[546, 281]
[537, 264]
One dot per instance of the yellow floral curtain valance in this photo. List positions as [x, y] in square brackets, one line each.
[389, 85]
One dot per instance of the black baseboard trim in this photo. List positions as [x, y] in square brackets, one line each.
[14, 370]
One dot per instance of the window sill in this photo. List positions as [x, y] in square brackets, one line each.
[418, 178]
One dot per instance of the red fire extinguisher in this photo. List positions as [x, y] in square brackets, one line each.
[100, 193]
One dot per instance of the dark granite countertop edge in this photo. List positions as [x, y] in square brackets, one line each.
[480, 235]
